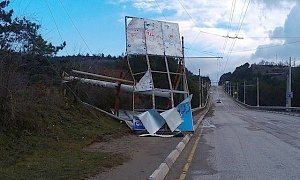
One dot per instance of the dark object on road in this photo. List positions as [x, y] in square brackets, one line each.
[218, 101]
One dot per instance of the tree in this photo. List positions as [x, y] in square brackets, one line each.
[23, 53]
[21, 35]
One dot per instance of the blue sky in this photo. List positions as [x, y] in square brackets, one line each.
[100, 25]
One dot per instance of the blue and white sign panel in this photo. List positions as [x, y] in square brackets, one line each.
[185, 111]
[137, 124]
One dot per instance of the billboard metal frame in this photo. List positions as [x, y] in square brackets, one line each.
[174, 89]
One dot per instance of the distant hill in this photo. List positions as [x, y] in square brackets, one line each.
[272, 82]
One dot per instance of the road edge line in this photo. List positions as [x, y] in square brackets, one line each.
[161, 172]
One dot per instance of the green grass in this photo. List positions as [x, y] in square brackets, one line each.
[53, 147]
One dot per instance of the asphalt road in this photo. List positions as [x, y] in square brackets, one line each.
[238, 143]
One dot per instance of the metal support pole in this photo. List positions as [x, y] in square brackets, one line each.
[257, 91]
[237, 91]
[289, 86]
[185, 83]
[244, 92]
[170, 82]
[227, 87]
[200, 104]
[202, 84]
[149, 69]
[230, 89]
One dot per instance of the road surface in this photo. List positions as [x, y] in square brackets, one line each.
[238, 143]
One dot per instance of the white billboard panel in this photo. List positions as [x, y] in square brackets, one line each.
[136, 37]
[152, 37]
[171, 39]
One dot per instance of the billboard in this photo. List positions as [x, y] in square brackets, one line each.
[145, 36]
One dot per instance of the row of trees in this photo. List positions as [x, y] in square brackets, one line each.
[24, 67]
[272, 83]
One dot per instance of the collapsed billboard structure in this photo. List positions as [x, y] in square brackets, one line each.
[153, 42]
[150, 38]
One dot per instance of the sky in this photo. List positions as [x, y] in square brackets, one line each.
[239, 31]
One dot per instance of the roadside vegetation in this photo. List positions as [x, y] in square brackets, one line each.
[272, 83]
[44, 127]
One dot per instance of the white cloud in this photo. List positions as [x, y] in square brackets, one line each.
[287, 35]
[213, 16]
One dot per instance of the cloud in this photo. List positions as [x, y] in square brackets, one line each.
[264, 18]
[286, 38]
[276, 3]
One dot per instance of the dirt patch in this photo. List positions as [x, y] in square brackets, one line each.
[125, 145]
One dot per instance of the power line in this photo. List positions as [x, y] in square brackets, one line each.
[199, 31]
[234, 41]
[160, 9]
[56, 25]
[71, 20]
[195, 21]
[266, 47]
[227, 37]
[232, 13]
[243, 17]
[278, 37]
[204, 52]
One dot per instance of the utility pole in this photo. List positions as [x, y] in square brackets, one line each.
[230, 88]
[257, 91]
[200, 104]
[184, 82]
[202, 83]
[244, 92]
[237, 90]
[289, 93]
[227, 87]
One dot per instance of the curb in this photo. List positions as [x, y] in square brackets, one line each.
[261, 108]
[161, 172]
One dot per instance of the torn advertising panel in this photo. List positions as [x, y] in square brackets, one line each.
[171, 39]
[154, 39]
[144, 36]
[152, 120]
[145, 83]
[172, 118]
[135, 37]
[184, 109]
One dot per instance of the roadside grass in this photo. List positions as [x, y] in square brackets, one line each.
[55, 150]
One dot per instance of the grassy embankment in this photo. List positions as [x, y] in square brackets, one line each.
[53, 149]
